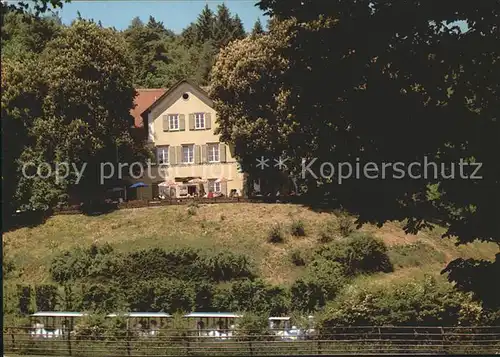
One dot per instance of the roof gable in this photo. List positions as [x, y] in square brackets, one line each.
[175, 92]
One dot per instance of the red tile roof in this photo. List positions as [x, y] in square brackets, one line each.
[143, 100]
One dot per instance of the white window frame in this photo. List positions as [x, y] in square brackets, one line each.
[162, 153]
[211, 153]
[215, 186]
[199, 121]
[173, 122]
[190, 154]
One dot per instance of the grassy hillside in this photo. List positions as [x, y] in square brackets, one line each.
[241, 228]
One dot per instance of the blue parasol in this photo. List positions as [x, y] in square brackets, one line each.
[138, 184]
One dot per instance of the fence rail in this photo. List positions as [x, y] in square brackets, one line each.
[344, 341]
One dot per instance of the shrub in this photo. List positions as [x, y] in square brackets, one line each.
[222, 217]
[95, 261]
[297, 229]
[102, 297]
[226, 266]
[362, 253]
[326, 235]
[193, 204]
[46, 297]
[155, 263]
[297, 258]
[223, 299]
[257, 296]
[275, 234]
[345, 225]
[173, 295]
[24, 296]
[91, 327]
[204, 294]
[321, 283]
[410, 302]
[253, 327]
[192, 211]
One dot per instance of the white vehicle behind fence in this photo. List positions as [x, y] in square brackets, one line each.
[217, 325]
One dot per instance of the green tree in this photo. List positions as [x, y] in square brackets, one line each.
[405, 85]
[257, 28]
[25, 33]
[22, 95]
[245, 76]
[147, 46]
[238, 28]
[86, 118]
[189, 35]
[38, 6]
[205, 25]
[223, 27]
[157, 26]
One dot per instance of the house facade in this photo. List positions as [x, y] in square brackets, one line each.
[180, 126]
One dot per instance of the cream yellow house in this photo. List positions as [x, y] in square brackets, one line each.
[180, 127]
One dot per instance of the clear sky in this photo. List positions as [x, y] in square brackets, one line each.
[175, 14]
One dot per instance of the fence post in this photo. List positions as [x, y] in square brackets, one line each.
[128, 338]
[69, 341]
[443, 349]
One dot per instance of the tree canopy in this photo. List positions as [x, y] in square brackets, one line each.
[380, 83]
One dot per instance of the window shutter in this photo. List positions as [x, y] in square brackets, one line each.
[197, 154]
[208, 121]
[204, 157]
[165, 123]
[182, 122]
[179, 159]
[171, 155]
[223, 188]
[222, 152]
[191, 121]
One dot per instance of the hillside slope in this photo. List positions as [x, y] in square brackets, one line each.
[241, 228]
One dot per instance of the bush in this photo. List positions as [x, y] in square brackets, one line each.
[275, 234]
[193, 204]
[226, 266]
[192, 211]
[362, 253]
[24, 295]
[156, 263]
[298, 258]
[423, 302]
[321, 283]
[345, 225]
[173, 296]
[297, 229]
[257, 296]
[223, 299]
[95, 261]
[102, 297]
[253, 327]
[46, 297]
[204, 294]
